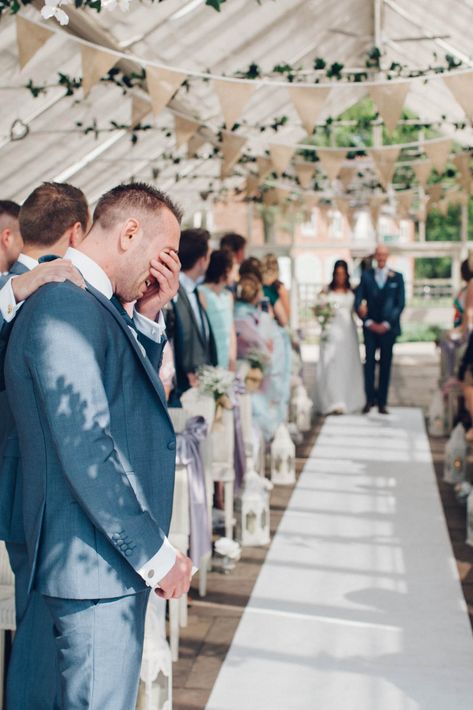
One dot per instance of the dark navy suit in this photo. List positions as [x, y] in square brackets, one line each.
[385, 305]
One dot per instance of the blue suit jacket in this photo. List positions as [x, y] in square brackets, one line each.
[97, 444]
[384, 304]
[11, 523]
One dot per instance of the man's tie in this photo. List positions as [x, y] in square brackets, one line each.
[129, 321]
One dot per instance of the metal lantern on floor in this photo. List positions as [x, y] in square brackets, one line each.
[283, 458]
[436, 416]
[455, 456]
[303, 409]
[253, 511]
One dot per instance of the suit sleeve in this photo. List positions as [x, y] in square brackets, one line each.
[401, 301]
[66, 352]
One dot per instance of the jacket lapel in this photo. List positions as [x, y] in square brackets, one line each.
[183, 295]
[153, 376]
[18, 268]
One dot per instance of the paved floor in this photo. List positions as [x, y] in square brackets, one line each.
[213, 621]
[358, 604]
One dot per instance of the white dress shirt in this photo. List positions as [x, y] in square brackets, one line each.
[162, 562]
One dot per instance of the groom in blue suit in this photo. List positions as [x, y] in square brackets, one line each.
[98, 447]
[379, 301]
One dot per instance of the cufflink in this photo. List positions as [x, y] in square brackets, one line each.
[10, 309]
[151, 573]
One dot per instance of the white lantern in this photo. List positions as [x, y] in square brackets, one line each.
[455, 456]
[469, 519]
[283, 458]
[436, 416]
[303, 407]
[253, 515]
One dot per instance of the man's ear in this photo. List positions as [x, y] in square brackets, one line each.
[76, 235]
[5, 238]
[130, 232]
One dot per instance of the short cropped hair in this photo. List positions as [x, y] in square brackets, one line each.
[193, 246]
[220, 265]
[8, 208]
[233, 242]
[114, 204]
[50, 210]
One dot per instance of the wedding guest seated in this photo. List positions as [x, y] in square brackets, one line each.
[275, 290]
[194, 342]
[218, 303]
[11, 242]
[257, 331]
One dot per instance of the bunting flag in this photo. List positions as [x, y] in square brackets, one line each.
[461, 87]
[162, 85]
[264, 165]
[184, 128]
[308, 103]
[422, 170]
[30, 38]
[270, 198]
[389, 100]
[462, 164]
[438, 153]
[95, 64]
[404, 200]
[346, 175]
[233, 97]
[375, 204]
[331, 161]
[194, 144]
[385, 162]
[305, 174]
[139, 109]
[311, 200]
[251, 185]
[435, 192]
[421, 212]
[442, 207]
[232, 145]
[281, 156]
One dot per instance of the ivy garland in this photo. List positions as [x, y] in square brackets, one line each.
[11, 7]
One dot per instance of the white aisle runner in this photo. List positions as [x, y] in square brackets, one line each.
[358, 605]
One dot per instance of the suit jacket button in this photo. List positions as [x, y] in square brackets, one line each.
[171, 445]
[128, 552]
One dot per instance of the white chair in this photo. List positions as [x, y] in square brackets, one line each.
[155, 691]
[7, 609]
[222, 438]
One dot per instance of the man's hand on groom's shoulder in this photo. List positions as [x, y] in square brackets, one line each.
[178, 579]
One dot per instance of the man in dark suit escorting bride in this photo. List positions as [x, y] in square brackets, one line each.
[379, 301]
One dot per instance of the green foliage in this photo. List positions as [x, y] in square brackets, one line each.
[420, 333]
[428, 267]
[444, 229]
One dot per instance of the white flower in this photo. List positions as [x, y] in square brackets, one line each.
[52, 9]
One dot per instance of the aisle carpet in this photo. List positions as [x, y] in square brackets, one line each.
[358, 605]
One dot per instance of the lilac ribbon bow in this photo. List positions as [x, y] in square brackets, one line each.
[188, 454]
[239, 450]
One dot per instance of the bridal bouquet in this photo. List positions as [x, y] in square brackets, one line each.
[215, 381]
[324, 312]
[259, 363]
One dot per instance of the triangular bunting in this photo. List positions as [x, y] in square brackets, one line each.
[194, 144]
[95, 64]
[346, 175]
[422, 170]
[308, 103]
[30, 38]
[264, 165]
[462, 164]
[280, 156]
[305, 174]
[162, 85]
[404, 199]
[139, 109]
[270, 198]
[442, 207]
[389, 100]
[232, 146]
[461, 87]
[233, 97]
[435, 192]
[251, 185]
[375, 204]
[384, 160]
[331, 161]
[438, 153]
[184, 128]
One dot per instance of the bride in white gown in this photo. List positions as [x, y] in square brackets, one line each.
[340, 385]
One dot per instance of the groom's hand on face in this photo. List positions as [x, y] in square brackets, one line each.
[178, 580]
[164, 284]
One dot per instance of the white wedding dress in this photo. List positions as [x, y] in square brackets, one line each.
[340, 385]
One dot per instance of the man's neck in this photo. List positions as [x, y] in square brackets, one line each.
[5, 265]
[35, 251]
[193, 274]
[95, 251]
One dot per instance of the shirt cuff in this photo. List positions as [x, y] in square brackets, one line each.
[154, 330]
[369, 322]
[158, 566]
[8, 305]
[387, 325]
